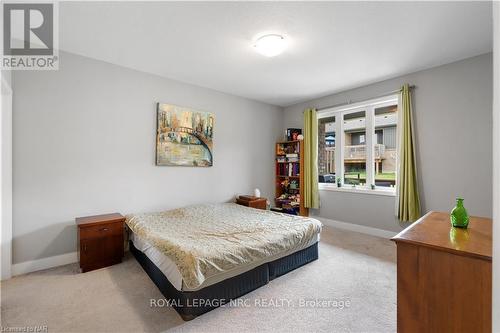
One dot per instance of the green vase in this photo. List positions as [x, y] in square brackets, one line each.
[459, 217]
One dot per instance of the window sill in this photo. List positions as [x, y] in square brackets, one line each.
[390, 192]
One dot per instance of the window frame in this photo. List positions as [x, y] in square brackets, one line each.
[368, 107]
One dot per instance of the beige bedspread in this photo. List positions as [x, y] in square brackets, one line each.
[205, 240]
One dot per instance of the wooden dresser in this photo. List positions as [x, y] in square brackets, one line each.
[100, 240]
[444, 276]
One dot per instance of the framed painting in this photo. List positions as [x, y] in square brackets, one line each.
[184, 137]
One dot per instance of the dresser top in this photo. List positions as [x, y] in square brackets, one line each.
[99, 219]
[435, 230]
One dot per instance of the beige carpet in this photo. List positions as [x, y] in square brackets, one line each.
[352, 267]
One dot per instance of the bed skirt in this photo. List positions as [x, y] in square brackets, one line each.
[190, 304]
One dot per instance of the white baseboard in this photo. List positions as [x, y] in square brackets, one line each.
[357, 228]
[44, 263]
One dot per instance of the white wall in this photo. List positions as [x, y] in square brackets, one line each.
[6, 176]
[453, 126]
[496, 168]
[84, 143]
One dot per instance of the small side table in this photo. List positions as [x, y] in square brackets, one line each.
[100, 240]
[251, 201]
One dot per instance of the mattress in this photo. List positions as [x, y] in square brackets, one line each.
[198, 246]
[172, 273]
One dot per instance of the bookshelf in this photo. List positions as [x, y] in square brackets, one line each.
[289, 178]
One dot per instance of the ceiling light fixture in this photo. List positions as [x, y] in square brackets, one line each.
[270, 45]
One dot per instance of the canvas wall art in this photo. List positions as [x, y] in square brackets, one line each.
[184, 136]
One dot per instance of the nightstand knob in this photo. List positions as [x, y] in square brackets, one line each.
[104, 229]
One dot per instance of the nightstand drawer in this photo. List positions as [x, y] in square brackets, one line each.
[101, 230]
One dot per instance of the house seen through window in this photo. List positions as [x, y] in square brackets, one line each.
[365, 153]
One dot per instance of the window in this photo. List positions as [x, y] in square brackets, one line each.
[354, 148]
[358, 145]
[326, 153]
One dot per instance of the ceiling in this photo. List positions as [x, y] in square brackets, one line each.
[334, 46]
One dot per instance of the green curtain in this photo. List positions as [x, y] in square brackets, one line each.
[408, 203]
[311, 195]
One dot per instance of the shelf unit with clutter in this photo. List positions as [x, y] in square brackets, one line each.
[289, 181]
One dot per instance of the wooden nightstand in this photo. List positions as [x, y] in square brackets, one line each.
[100, 240]
[251, 201]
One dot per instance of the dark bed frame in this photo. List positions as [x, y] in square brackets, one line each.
[187, 303]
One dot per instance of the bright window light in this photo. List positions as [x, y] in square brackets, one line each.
[270, 45]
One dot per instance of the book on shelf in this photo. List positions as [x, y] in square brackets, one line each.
[288, 169]
[283, 159]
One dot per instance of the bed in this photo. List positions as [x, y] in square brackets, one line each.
[203, 256]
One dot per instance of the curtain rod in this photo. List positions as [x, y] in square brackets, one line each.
[351, 102]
